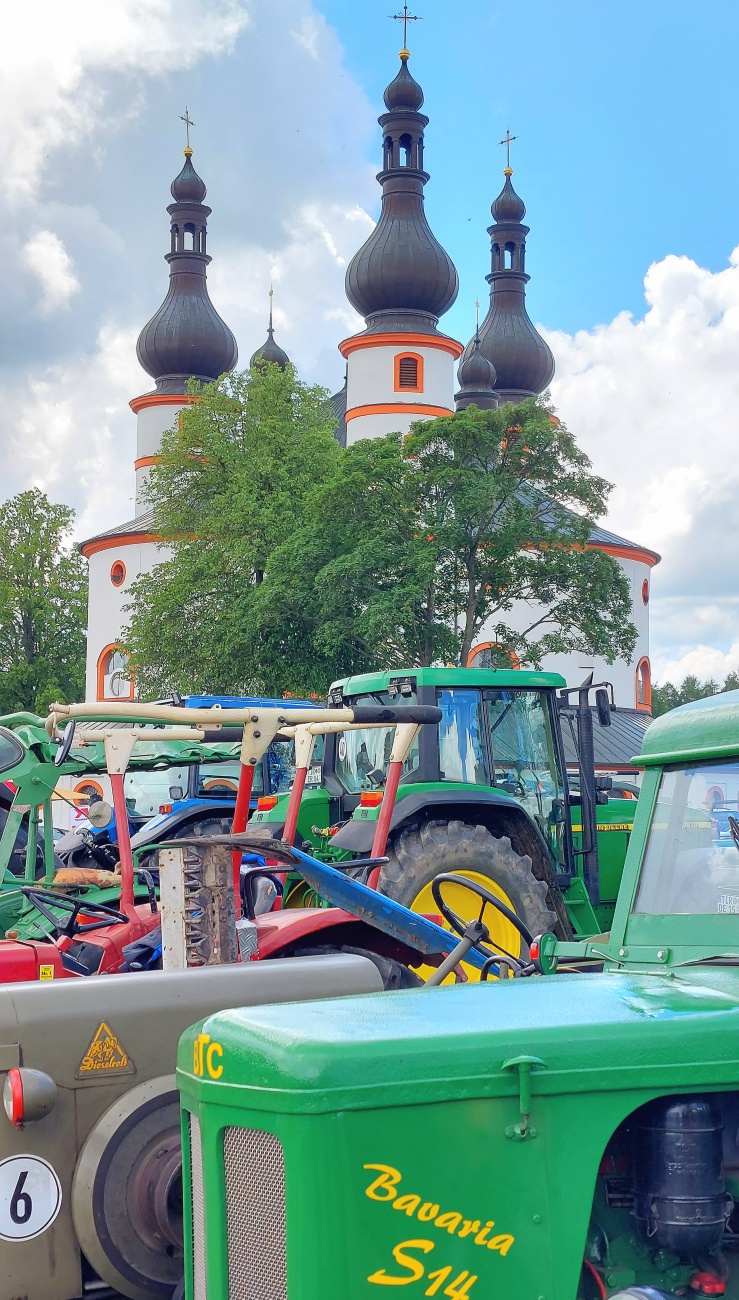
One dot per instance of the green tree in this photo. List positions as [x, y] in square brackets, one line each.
[230, 488]
[412, 545]
[669, 696]
[43, 605]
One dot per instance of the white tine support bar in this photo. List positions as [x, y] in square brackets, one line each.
[405, 734]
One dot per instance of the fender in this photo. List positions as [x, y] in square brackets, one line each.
[165, 825]
[356, 835]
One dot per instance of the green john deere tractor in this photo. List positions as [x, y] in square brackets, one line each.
[486, 794]
[568, 1134]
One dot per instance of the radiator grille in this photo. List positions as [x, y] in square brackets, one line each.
[198, 1202]
[255, 1215]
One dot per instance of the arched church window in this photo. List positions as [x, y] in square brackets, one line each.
[189, 238]
[409, 372]
[406, 145]
[644, 685]
[491, 654]
[175, 232]
[645, 591]
[115, 679]
[387, 146]
[508, 257]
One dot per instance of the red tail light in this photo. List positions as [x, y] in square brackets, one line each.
[266, 801]
[370, 798]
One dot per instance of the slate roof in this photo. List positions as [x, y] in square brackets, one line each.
[141, 524]
[616, 745]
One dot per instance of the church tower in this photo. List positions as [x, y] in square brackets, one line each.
[184, 339]
[400, 368]
[523, 363]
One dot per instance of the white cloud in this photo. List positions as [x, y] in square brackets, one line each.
[307, 268]
[54, 60]
[46, 256]
[704, 662]
[655, 403]
[69, 431]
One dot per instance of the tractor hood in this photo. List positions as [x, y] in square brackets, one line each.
[588, 1032]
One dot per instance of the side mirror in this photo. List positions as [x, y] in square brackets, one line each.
[603, 707]
[175, 793]
[100, 814]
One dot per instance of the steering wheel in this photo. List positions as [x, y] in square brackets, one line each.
[65, 744]
[458, 924]
[74, 906]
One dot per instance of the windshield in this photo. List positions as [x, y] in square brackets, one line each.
[363, 757]
[691, 862]
[146, 792]
[11, 750]
[504, 738]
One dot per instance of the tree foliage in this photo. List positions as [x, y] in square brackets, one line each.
[413, 545]
[671, 696]
[43, 605]
[312, 562]
[234, 474]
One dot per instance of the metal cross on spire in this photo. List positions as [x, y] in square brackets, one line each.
[405, 18]
[188, 123]
[507, 141]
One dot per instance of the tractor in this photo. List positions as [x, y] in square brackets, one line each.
[488, 795]
[90, 1166]
[566, 1133]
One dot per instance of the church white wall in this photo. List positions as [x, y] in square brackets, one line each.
[106, 616]
[371, 382]
[575, 667]
[376, 426]
[151, 423]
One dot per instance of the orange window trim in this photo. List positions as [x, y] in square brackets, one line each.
[644, 675]
[409, 356]
[360, 341]
[114, 645]
[493, 645]
[396, 408]
[85, 784]
[115, 565]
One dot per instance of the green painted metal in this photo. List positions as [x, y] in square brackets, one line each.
[477, 1140]
[701, 730]
[365, 683]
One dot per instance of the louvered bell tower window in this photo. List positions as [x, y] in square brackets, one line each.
[408, 373]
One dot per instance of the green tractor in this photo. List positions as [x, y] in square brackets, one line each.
[486, 794]
[567, 1134]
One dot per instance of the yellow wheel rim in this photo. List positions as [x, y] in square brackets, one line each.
[467, 905]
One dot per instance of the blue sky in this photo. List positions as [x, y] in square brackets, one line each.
[628, 122]
[626, 158]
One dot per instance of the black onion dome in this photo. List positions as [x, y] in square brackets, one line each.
[402, 278]
[188, 187]
[508, 206]
[186, 337]
[477, 380]
[271, 352]
[404, 92]
[508, 339]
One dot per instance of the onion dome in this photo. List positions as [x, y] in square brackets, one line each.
[186, 337]
[404, 93]
[508, 206]
[188, 187]
[477, 378]
[270, 351]
[402, 279]
[508, 339]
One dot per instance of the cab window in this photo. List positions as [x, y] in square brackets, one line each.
[363, 756]
[691, 861]
[462, 755]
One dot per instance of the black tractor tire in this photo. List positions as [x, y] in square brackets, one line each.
[419, 854]
[394, 974]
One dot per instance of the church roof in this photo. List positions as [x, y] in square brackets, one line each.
[613, 746]
[186, 337]
[402, 278]
[338, 401]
